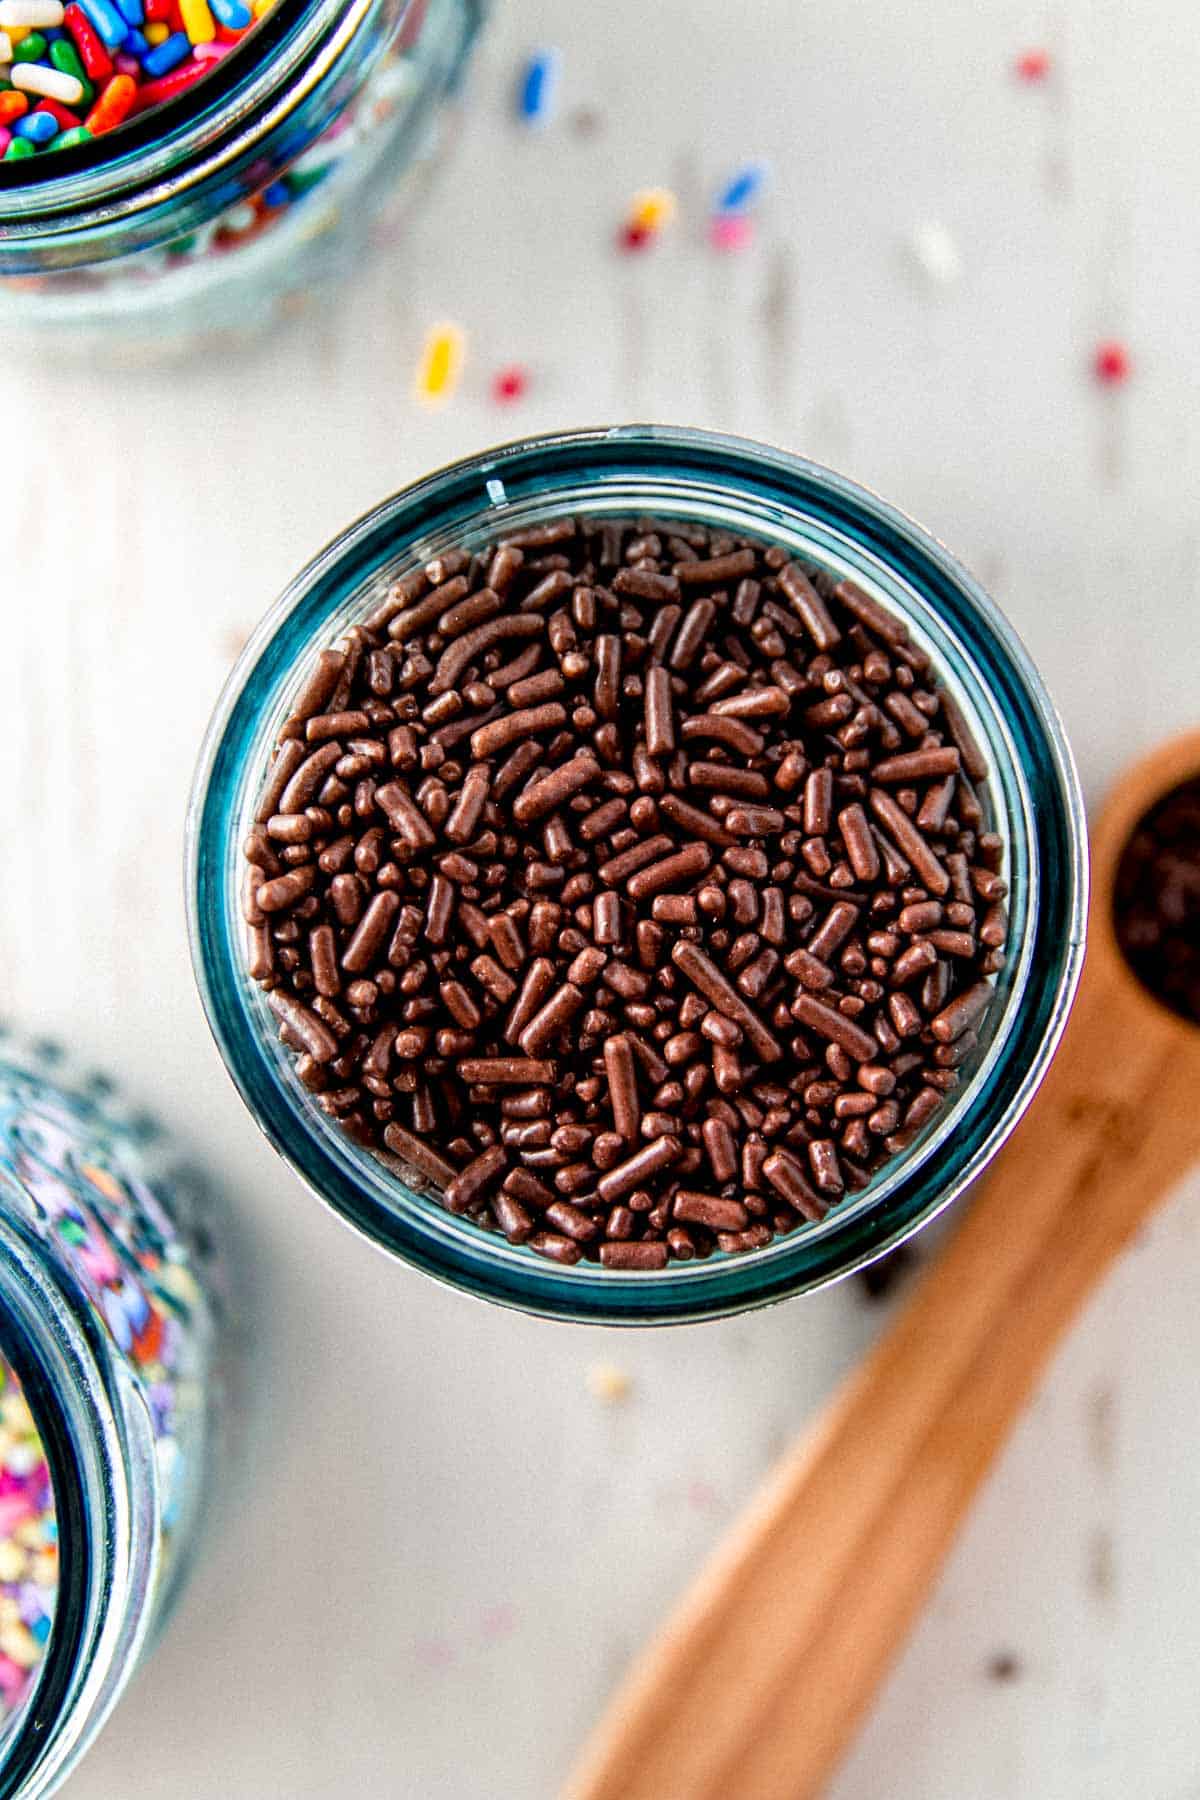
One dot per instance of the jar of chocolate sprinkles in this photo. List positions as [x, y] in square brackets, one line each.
[635, 875]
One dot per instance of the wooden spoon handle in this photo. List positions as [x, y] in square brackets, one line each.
[753, 1689]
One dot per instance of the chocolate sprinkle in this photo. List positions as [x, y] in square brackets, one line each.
[628, 887]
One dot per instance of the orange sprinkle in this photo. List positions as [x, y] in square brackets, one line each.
[114, 105]
[12, 105]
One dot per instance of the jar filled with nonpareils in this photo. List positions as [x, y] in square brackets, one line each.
[636, 875]
[178, 175]
[110, 1372]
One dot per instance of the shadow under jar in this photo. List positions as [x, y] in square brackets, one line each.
[657, 475]
[111, 1374]
[205, 219]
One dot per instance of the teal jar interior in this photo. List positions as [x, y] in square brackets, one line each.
[110, 1319]
[822, 519]
[221, 211]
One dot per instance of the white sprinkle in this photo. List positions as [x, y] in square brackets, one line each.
[496, 493]
[608, 1383]
[936, 253]
[5, 48]
[55, 84]
[35, 13]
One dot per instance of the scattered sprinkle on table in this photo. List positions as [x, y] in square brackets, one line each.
[1111, 363]
[936, 253]
[537, 93]
[509, 384]
[649, 213]
[1033, 65]
[608, 1383]
[439, 368]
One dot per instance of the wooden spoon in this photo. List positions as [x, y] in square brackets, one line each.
[754, 1688]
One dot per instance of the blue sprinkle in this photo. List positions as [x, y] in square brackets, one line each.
[231, 14]
[743, 188]
[168, 55]
[131, 11]
[136, 44]
[539, 87]
[40, 1630]
[111, 27]
[277, 194]
[38, 127]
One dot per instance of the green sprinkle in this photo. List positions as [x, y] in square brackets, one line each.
[31, 49]
[18, 148]
[66, 58]
[78, 134]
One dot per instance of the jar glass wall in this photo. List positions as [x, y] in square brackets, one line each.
[110, 1346]
[225, 209]
[823, 520]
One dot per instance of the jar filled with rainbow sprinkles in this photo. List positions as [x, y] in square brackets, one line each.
[177, 174]
[110, 1369]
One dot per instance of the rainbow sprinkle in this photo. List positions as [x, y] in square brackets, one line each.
[537, 94]
[439, 369]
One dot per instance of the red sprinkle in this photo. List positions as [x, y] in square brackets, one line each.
[1111, 363]
[1033, 65]
[509, 384]
[634, 237]
[63, 116]
[92, 54]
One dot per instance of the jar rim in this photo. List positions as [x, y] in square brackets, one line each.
[216, 124]
[909, 1190]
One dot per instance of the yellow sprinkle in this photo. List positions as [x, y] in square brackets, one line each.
[608, 1383]
[12, 1561]
[652, 209]
[45, 1568]
[108, 1185]
[440, 366]
[197, 21]
[16, 34]
[261, 8]
[156, 34]
[21, 1645]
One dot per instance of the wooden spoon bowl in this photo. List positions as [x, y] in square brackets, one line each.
[754, 1687]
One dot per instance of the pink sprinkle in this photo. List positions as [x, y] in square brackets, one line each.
[1033, 65]
[5, 138]
[702, 1497]
[509, 385]
[435, 1653]
[12, 1677]
[499, 1622]
[1111, 363]
[15, 1509]
[731, 231]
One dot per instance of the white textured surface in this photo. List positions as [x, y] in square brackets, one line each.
[448, 1545]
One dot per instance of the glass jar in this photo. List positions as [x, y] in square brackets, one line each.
[224, 208]
[824, 520]
[108, 1329]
